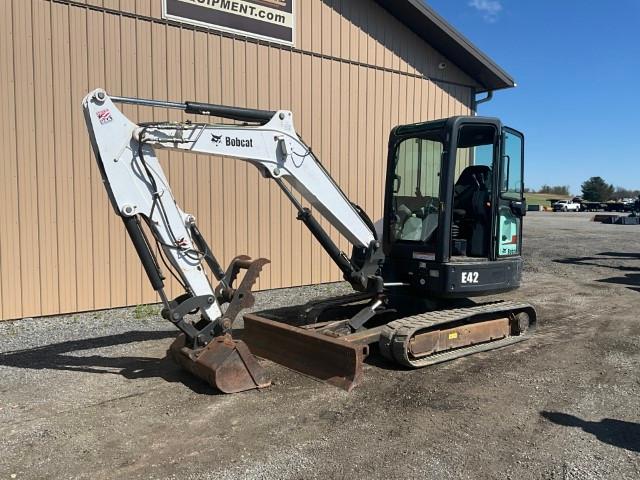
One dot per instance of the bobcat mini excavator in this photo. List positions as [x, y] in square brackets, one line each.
[452, 229]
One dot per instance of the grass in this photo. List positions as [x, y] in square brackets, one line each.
[544, 198]
[141, 312]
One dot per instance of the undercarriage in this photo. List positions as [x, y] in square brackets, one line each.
[317, 338]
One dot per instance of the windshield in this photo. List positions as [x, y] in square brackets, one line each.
[416, 190]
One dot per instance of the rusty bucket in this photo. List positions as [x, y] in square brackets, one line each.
[225, 364]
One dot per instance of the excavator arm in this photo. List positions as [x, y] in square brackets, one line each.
[140, 194]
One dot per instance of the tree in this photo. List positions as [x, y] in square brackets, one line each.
[621, 192]
[555, 190]
[596, 190]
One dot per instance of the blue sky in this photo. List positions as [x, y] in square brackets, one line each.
[577, 66]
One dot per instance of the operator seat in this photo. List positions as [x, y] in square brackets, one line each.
[470, 199]
[418, 226]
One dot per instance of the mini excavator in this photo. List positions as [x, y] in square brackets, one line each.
[452, 230]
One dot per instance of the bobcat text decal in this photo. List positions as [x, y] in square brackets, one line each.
[232, 141]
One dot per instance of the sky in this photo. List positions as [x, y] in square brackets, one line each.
[577, 69]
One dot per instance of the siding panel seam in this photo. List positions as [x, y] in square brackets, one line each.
[19, 308]
[172, 23]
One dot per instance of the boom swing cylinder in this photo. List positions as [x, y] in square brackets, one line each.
[333, 350]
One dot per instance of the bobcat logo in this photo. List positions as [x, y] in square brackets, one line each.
[216, 139]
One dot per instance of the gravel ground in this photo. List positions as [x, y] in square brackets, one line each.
[92, 395]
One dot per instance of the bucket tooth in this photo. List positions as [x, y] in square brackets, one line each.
[224, 363]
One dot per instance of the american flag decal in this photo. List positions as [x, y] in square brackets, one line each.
[104, 116]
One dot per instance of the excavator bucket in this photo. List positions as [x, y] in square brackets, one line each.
[332, 360]
[225, 364]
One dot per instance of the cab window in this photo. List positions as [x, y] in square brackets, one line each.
[416, 190]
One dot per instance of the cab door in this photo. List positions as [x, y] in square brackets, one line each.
[511, 205]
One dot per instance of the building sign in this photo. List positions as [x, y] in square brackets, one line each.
[272, 20]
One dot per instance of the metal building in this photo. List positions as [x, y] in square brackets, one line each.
[350, 70]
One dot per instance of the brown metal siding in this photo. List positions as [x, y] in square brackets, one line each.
[354, 74]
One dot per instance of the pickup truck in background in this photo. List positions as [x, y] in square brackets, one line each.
[566, 206]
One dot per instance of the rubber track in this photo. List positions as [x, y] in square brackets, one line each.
[395, 336]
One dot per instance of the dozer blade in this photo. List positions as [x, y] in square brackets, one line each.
[224, 363]
[329, 359]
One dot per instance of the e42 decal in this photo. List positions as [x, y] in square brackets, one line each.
[470, 277]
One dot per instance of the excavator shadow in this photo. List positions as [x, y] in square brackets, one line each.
[618, 433]
[630, 280]
[622, 255]
[76, 356]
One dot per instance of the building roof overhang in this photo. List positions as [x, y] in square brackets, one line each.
[442, 36]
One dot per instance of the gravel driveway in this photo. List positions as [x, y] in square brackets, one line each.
[92, 395]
